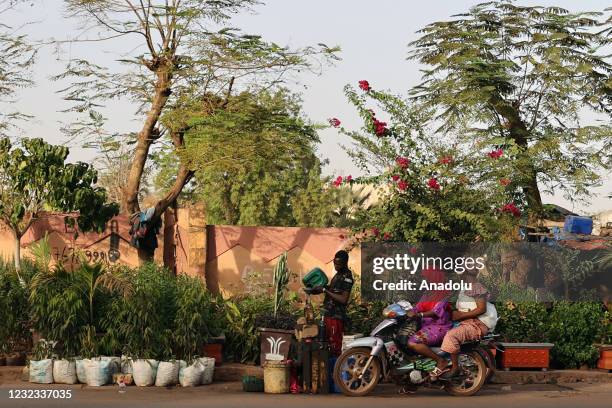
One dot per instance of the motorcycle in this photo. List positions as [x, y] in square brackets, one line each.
[367, 360]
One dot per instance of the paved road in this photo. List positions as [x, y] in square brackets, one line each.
[230, 395]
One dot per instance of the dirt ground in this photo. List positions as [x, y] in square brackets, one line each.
[231, 395]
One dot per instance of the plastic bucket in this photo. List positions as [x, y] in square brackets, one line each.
[276, 377]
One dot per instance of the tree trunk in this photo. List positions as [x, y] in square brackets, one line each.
[17, 253]
[520, 134]
[147, 135]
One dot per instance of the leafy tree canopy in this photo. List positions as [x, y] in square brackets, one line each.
[35, 177]
[520, 78]
[254, 158]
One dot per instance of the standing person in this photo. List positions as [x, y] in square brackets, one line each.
[337, 295]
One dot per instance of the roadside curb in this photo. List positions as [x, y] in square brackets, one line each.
[552, 377]
[232, 372]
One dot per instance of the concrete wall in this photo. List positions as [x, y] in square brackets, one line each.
[224, 255]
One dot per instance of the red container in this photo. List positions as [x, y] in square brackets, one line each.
[525, 355]
[605, 357]
[214, 350]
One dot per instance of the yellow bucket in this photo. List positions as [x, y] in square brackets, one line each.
[276, 377]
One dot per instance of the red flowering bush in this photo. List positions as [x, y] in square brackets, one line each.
[402, 162]
[402, 185]
[496, 154]
[511, 209]
[380, 128]
[334, 122]
[338, 181]
[504, 181]
[411, 165]
[433, 184]
[364, 85]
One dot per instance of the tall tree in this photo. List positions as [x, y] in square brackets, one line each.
[190, 53]
[520, 78]
[250, 149]
[37, 178]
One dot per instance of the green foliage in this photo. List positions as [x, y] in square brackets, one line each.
[522, 322]
[141, 325]
[242, 339]
[520, 77]
[574, 327]
[251, 149]
[427, 190]
[14, 319]
[18, 56]
[36, 177]
[280, 279]
[196, 319]
[68, 306]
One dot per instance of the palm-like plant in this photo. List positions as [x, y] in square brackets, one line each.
[65, 303]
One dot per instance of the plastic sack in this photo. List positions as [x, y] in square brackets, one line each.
[190, 376]
[144, 372]
[209, 369]
[126, 365]
[80, 370]
[167, 373]
[41, 371]
[97, 372]
[114, 364]
[64, 372]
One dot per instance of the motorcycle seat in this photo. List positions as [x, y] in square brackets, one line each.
[438, 351]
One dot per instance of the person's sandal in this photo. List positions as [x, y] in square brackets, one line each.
[436, 372]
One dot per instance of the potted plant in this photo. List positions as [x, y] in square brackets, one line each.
[276, 329]
[523, 327]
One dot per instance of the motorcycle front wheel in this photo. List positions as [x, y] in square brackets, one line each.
[350, 367]
[473, 374]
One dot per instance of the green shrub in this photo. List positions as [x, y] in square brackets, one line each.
[522, 322]
[140, 325]
[196, 318]
[573, 328]
[242, 339]
[14, 319]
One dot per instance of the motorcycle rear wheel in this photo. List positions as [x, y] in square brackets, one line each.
[350, 365]
[474, 369]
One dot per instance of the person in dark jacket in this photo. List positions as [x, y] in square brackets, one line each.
[337, 295]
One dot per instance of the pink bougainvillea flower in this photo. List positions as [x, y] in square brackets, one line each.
[403, 162]
[402, 185]
[375, 231]
[504, 181]
[364, 85]
[511, 209]
[395, 177]
[412, 251]
[496, 154]
[386, 236]
[446, 160]
[380, 128]
[335, 122]
[338, 181]
[433, 183]
[348, 178]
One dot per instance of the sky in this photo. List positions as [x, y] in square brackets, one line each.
[373, 35]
